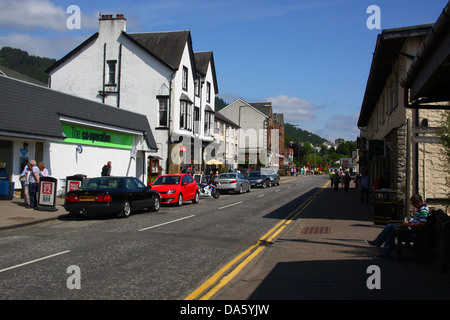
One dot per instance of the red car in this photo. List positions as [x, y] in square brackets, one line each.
[176, 188]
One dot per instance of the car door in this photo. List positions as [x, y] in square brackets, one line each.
[244, 182]
[146, 198]
[189, 187]
[134, 193]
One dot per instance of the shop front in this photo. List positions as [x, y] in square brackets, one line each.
[69, 134]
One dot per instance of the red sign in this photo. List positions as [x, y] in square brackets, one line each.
[47, 188]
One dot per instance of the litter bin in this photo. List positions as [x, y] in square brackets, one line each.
[384, 206]
[74, 182]
[6, 187]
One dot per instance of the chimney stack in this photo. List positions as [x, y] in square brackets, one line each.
[112, 24]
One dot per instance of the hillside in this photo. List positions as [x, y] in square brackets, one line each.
[293, 133]
[20, 61]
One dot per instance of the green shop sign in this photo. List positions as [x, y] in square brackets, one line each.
[95, 137]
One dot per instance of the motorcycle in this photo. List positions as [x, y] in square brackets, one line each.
[209, 190]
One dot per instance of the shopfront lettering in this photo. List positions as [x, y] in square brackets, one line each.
[91, 136]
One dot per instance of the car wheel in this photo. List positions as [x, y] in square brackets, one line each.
[241, 189]
[180, 200]
[196, 198]
[126, 210]
[156, 204]
[264, 185]
[249, 188]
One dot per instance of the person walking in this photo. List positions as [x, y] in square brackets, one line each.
[364, 183]
[336, 181]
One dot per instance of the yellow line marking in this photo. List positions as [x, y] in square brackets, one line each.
[276, 230]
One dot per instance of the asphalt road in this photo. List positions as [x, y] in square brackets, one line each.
[153, 256]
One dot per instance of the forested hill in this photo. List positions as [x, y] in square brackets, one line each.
[293, 133]
[20, 61]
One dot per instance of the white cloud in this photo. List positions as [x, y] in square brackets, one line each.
[29, 15]
[294, 109]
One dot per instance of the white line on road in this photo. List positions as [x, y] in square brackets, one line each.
[33, 261]
[260, 196]
[230, 205]
[163, 224]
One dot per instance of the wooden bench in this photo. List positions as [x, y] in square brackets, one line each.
[425, 239]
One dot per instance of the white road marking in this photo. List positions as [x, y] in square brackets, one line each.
[169, 222]
[230, 205]
[33, 261]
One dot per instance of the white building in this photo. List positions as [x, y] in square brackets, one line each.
[226, 136]
[254, 120]
[70, 134]
[154, 74]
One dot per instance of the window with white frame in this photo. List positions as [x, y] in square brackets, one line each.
[185, 115]
[209, 123]
[163, 107]
[208, 92]
[185, 78]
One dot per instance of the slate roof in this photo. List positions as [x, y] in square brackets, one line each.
[32, 110]
[168, 46]
[202, 60]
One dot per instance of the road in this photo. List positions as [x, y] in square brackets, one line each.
[154, 256]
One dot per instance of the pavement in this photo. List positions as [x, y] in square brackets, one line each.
[322, 254]
[14, 213]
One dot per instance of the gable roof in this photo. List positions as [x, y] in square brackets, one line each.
[29, 109]
[4, 71]
[168, 46]
[250, 105]
[388, 47]
[202, 60]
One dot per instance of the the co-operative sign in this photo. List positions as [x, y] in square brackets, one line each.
[96, 137]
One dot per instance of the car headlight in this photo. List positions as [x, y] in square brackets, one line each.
[171, 191]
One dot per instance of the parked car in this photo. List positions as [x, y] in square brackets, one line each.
[232, 181]
[257, 179]
[274, 178]
[176, 188]
[108, 195]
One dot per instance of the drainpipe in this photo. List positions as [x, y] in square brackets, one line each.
[169, 112]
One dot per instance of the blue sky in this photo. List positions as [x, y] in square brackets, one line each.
[310, 58]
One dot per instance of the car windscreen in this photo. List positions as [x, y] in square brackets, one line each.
[227, 176]
[101, 183]
[255, 174]
[163, 180]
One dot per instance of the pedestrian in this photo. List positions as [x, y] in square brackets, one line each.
[364, 183]
[106, 170]
[25, 194]
[387, 236]
[43, 170]
[347, 180]
[336, 181]
[33, 182]
[331, 178]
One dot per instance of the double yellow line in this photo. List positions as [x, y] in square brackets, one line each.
[221, 278]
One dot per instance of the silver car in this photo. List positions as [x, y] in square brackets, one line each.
[232, 181]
